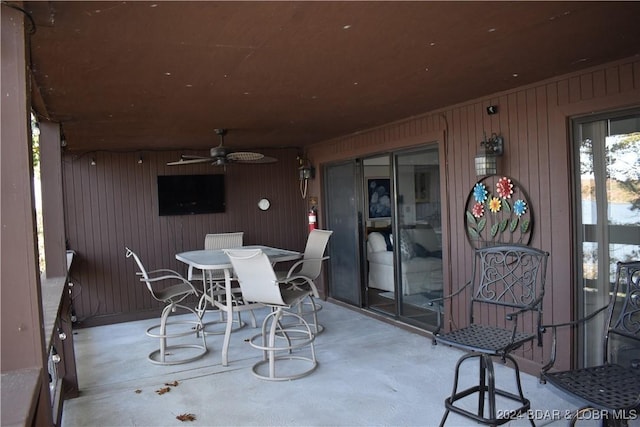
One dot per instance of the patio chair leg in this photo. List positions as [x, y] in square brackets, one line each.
[201, 309]
[486, 385]
[486, 365]
[482, 381]
[516, 371]
[293, 336]
[275, 322]
[313, 312]
[317, 328]
[163, 332]
[254, 324]
[453, 393]
[444, 418]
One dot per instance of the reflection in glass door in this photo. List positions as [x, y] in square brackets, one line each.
[403, 229]
[419, 230]
[608, 161]
[380, 290]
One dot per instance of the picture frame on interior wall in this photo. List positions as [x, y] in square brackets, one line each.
[378, 198]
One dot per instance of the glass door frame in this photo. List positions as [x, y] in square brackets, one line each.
[367, 301]
[588, 350]
[399, 310]
[402, 309]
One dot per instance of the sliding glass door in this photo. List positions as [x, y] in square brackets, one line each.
[403, 232]
[418, 231]
[608, 213]
[378, 206]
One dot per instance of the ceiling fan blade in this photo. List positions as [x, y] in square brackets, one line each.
[263, 160]
[192, 157]
[244, 156]
[191, 161]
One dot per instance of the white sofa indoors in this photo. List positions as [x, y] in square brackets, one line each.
[421, 261]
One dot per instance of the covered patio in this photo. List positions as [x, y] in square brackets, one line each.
[371, 373]
[121, 91]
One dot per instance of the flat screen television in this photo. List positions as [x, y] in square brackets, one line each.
[190, 194]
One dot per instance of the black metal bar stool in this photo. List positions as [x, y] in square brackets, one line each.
[508, 282]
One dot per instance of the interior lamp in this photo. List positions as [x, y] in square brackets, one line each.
[487, 157]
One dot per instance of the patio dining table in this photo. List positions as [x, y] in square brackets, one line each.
[217, 259]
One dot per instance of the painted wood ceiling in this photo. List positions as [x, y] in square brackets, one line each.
[162, 75]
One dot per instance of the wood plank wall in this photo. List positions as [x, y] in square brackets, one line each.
[534, 121]
[114, 204]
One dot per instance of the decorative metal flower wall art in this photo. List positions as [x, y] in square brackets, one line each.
[498, 212]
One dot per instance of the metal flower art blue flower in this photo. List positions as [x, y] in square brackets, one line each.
[480, 192]
[519, 207]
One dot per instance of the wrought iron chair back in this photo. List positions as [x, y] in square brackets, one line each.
[612, 387]
[512, 277]
[624, 311]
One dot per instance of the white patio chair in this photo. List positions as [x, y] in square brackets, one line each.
[213, 280]
[172, 296]
[282, 346]
[302, 274]
[216, 241]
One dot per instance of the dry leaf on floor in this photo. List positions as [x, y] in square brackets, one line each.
[186, 417]
[164, 390]
[173, 384]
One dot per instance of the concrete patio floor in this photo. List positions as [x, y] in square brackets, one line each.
[371, 373]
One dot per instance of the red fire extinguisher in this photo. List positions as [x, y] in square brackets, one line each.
[313, 220]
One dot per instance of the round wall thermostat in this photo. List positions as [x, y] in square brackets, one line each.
[264, 204]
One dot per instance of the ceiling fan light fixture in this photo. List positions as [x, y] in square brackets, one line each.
[218, 151]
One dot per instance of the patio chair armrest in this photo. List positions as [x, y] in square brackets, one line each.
[172, 275]
[513, 317]
[298, 263]
[298, 280]
[164, 270]
[574, 322]
[554, 341]
[431, 302]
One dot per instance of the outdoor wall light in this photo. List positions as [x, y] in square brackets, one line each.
[93, 161]
[487, 157]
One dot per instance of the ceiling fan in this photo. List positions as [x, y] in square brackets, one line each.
[221, 156]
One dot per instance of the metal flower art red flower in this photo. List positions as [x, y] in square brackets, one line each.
[504, 187]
